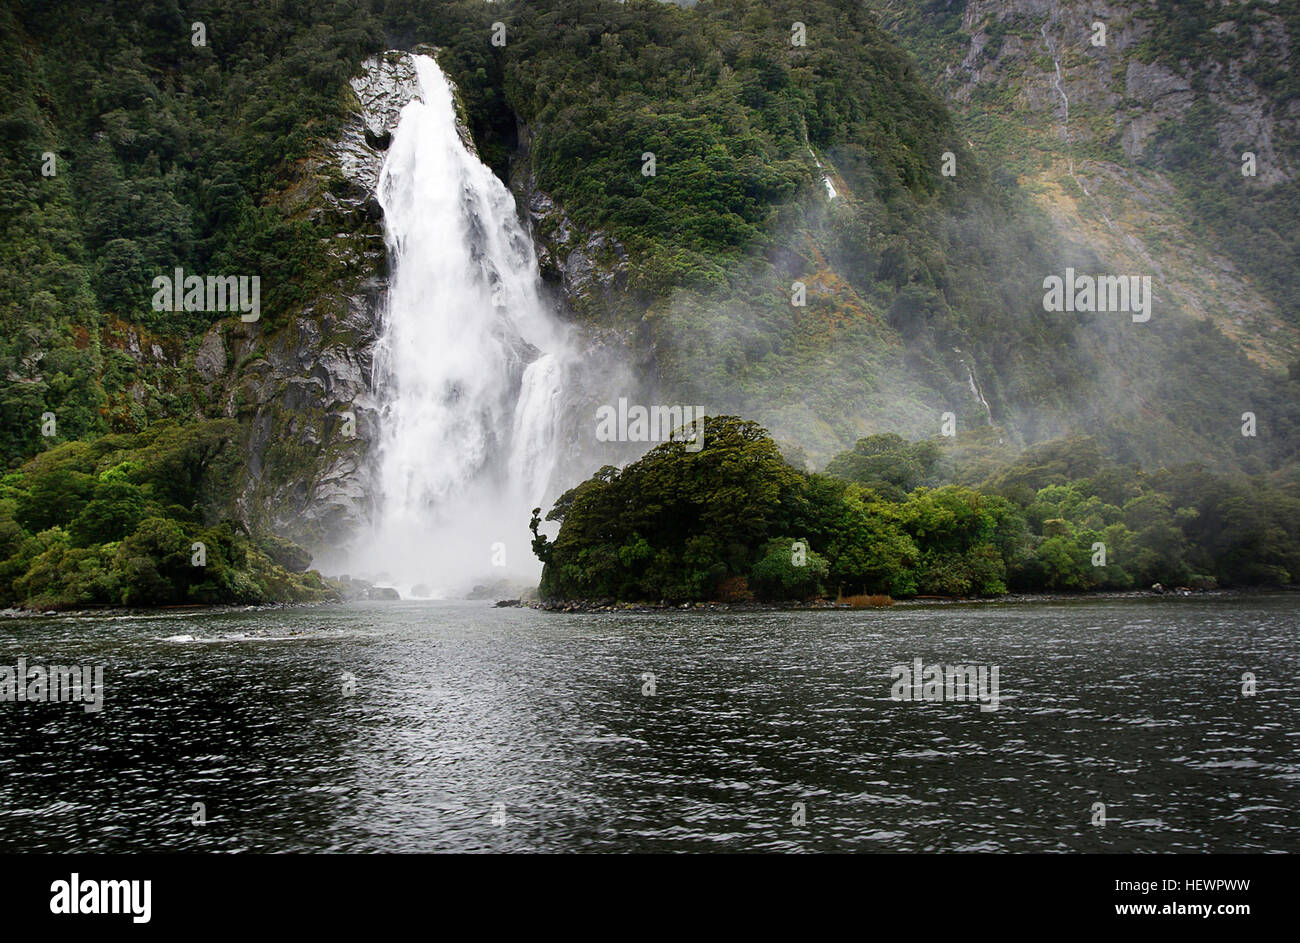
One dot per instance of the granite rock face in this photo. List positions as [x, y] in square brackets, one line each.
[1033, 38]
[589, 266]
[585, 273]
[304, 392]
[1099, 116]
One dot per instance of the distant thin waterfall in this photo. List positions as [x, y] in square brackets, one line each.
[470, 367]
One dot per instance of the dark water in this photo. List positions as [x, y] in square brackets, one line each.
[461, 712]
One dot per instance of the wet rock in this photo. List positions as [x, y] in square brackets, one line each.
[589, 266]
[307, 385]
[210, 360]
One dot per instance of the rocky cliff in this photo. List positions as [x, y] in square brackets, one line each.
[1129, 122]
[304, 393]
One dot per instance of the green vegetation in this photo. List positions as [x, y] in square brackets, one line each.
[1256, 223]
[118, 522]
[734, 519]
[727, 106]
[1226, 54]
[912, 278]
[165, 154]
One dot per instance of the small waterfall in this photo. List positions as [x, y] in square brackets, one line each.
[470, 366]
[978, 393]
[826, 178]
[974, 386]
[1065, 124]
[1056, 83]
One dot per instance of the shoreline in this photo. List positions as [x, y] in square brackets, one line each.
[590, 606]
[583, 605]
[216, 608]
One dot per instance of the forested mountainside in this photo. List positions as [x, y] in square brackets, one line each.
[1170, 135]
[830, 216]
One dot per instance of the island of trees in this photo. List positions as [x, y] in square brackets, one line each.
[736, 521]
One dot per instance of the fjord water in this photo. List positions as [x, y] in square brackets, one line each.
[469, 368]
[461, 712]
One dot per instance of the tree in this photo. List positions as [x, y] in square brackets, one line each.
[116, 510]
[674, 523]
[54, 498]
[780, 574]
[887, 463]
[155, 564]
[120, 278]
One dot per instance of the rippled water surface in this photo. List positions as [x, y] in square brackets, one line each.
[463, 715]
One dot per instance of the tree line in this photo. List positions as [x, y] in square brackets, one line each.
[736, 520]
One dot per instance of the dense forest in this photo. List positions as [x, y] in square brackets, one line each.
[119, 521]
[734, 521]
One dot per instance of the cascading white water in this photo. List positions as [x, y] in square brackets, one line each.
[469, 368]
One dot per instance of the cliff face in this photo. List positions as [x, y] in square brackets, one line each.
[584, 272]
[588, 266]
[1128, 82]
[304, 393]
[1132, 137]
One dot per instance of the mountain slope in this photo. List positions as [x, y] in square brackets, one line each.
[924, 292]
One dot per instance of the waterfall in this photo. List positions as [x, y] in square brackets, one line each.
[974, 386]
[469, 368]
[977, 392]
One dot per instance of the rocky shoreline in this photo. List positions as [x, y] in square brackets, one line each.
[609, 605]
[605, 605]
